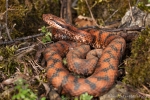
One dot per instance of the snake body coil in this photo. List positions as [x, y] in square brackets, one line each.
[105, 72]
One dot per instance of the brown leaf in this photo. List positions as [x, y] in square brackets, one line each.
[82, 21]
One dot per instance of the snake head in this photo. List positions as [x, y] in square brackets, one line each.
[67, 30]
[54, 21]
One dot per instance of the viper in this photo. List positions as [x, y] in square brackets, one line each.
[98, 81]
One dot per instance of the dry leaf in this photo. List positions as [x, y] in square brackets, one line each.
[82, 21]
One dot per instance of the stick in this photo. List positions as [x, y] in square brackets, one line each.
[134, 28]
[131, 11]
[124, 29]
[91, 13]
[7, 30]
[20, 39]
[112, 15]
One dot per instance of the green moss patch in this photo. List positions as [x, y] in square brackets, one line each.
[138, 64]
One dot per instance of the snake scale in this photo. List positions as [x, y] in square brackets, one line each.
[102, 78]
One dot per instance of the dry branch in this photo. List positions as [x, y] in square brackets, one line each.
[134, 28]
[21, 39]
[91, 13]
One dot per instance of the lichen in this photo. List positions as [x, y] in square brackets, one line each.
[137, 66]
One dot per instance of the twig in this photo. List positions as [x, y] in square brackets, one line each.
[144, 94]
[137, 3]
[74, 4]
[6, 12]
[41, 42]
[7, 30]
[144, 19]
[124, 29]
[2, 14]
[34, 66]
[134, 28]
[145, 88]
[93, 5]
[112, 15]
[24, 50]
[91, 13]
[20, 39]
[131, 11]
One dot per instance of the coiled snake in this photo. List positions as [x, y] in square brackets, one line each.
[102, 78]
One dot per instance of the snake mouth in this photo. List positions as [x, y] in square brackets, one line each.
[52, 22]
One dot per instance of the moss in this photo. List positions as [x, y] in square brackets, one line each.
[138, 64]
[26, 15]
[9, 62]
